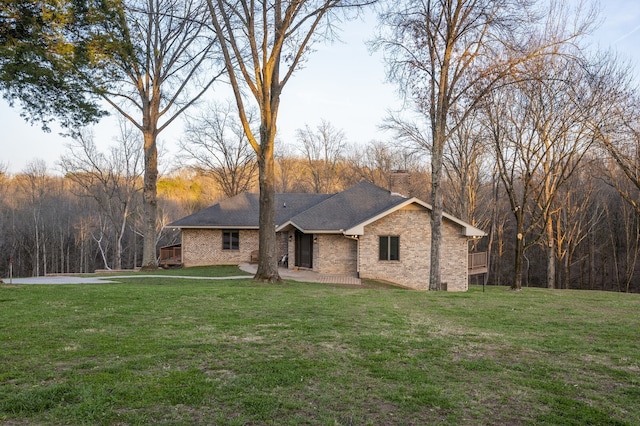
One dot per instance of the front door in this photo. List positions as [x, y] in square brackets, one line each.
[304, 250]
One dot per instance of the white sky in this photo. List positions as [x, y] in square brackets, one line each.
[341, 83]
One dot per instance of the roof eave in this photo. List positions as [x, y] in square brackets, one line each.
[468, 229]
[473, 232]
[290, 224]
[210, 227]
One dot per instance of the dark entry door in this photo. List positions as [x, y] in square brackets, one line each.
[304, 250]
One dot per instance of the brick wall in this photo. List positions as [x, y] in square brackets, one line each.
[204, 247]
[412, 270]
[412, 225]
[335, 254]
[454, 258]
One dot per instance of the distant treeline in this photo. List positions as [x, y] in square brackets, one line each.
[88, 219]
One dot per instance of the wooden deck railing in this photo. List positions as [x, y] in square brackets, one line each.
[171, 255]
[478, 263]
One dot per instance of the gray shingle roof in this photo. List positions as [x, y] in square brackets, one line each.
[309, 212]
[242, 211]
[312, 212]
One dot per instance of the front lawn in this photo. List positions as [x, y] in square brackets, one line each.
[195, 271]
[178, 351]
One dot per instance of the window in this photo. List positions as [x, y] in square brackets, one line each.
[390, 248]
[230, 240]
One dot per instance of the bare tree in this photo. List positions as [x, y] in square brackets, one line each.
[215, 144]
[496, 243]
[323, 149]
[447, 56]
[377, 160]
[579, 212]
[562, 104]
[623, 225]
[541, 134]
[4, 180]
[6, 243]
[264, 43]
[112, 180]
[625, 150]
[616, 122]
[152, 71]
[466, 166]
[514, 142]
[33, 183]
[373, 162]
[286, 169]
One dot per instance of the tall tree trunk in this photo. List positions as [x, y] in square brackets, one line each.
[519, 258]
[267, 257]
[437, 155]
[149, 194]
[492, 229]
[37, 263]
[62, 256]
[117, 254]
[44, 255]
[567, 269]
[551, 255]
[563, 276]
[592, 259]
[436, 235]
[119, 237]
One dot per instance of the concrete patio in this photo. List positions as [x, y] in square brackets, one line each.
[306, 275]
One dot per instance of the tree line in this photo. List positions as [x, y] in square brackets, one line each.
[87, 214]
[502, 99]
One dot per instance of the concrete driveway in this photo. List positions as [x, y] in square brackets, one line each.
[60, 279]
[302, 275]
[65, 279]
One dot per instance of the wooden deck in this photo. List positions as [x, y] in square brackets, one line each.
[478, 263]
[170, 256]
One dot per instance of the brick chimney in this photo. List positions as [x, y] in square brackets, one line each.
[400, 182]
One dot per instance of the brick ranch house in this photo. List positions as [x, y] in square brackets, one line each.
[366, 231]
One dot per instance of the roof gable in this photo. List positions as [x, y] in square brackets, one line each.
[468, 230]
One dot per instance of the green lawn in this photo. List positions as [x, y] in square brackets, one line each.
[196, 271]
[236, 352]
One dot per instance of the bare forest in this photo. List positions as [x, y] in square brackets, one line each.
[88, 219]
